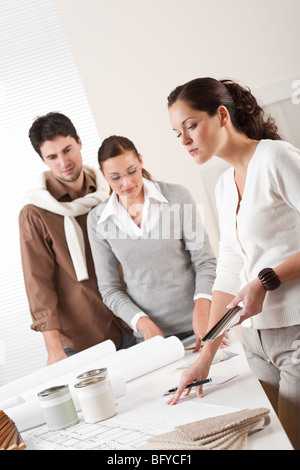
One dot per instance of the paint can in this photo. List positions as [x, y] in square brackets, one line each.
[103, 372]
[93, 373]
[58, 407]
[96, 399]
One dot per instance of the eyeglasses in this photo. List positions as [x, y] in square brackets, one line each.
[129, 174]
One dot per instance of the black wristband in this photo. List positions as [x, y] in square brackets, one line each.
[269, 279]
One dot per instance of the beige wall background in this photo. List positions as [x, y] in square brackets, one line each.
[131, 53]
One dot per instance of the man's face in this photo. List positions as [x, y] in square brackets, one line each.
[63, 156]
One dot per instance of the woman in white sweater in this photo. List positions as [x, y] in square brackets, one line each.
[259, 251]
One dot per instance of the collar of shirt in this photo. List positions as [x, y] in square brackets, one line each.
[58, 190]
[153, 198]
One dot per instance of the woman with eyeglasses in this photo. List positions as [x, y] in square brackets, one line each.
[258, 205]
[154, 233]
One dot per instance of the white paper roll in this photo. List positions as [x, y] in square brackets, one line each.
[123, 365]
[151, 355]
[58, 369]
[27, 415]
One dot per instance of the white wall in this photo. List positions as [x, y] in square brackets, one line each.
[132, 53]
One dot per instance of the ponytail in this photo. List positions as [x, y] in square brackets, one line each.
[247, 116]
[208, 94]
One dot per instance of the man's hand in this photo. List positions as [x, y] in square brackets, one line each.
[55, 357]
[54, 347]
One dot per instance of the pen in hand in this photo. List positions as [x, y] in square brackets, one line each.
[194, 384]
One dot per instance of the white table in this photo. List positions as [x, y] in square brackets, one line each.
[144, 393]
[244, 391]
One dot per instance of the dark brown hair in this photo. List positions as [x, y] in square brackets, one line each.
[207, 94]
[49, 127]
[116, 145]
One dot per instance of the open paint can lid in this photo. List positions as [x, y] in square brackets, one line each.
[87, 382]
[53, 390]
[93, 373]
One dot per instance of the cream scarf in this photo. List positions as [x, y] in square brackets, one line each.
[41, 198]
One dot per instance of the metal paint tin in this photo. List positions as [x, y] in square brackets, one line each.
[93, 373]
[58, 407]
[103, 372]
[96, 399]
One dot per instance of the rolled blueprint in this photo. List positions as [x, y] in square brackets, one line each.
[53, 371]
[27, 415]
[146, 356]
[123, 365]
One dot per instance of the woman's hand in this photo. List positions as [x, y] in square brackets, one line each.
[193, 373]
[224, 342]
[200, 323]
[200, 320]
[252, 297]
[148, 328]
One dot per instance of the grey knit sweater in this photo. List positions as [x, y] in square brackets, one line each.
[163, 271]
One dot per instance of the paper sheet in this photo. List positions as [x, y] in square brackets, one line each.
[123, 366]
[220, 356]
[139, 417]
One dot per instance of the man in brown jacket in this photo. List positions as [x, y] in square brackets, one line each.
[58, 268]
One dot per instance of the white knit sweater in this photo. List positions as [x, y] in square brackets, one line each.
[266, 231]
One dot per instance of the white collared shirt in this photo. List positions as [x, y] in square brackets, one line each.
[153, 199]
